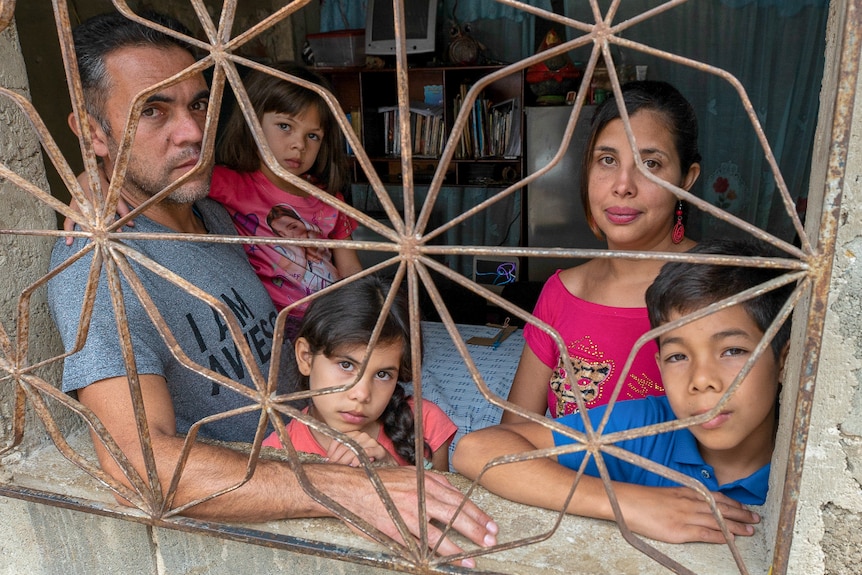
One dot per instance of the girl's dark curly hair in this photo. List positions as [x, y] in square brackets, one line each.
[346, 317]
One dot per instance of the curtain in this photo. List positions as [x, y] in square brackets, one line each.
[785, 7]
[498, 225]
[776, 50]
[342, 14]
[506, 33]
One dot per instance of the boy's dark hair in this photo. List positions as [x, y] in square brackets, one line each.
[100, 35]
[346, 317]
[684, 287]
[237, 149]
[659, 97]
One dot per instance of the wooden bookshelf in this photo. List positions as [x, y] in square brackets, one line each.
[491, 153]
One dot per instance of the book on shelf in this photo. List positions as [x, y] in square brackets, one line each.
[506, 128]
[493, 130]
[475, 124]
[426, 129]
[355, 119]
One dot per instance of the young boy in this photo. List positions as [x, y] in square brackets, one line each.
[729, 453]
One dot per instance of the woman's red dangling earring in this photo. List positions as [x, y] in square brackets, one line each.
[678, 229]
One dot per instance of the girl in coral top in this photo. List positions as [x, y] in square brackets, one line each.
[373, 409]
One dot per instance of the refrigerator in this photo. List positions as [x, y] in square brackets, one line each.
[555, 217]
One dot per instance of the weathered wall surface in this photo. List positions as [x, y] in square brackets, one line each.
[829, 518]
[21, 258]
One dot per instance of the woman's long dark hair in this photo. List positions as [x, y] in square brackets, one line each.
[346, 317]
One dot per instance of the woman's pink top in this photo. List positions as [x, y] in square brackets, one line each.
[599, 339]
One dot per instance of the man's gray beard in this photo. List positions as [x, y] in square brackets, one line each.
[185, 194]
[143, 188]
[189, 193]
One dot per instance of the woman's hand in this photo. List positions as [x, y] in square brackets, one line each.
[341, 454]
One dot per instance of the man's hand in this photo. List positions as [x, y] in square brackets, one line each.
[356, 493]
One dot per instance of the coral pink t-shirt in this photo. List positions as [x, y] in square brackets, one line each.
[599, 339]
[437, 430]
[288, 273]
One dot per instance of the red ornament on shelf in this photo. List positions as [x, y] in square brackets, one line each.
[552, 79]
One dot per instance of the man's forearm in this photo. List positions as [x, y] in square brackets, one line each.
[271, 492]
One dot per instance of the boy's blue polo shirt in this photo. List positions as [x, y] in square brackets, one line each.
[677, 450]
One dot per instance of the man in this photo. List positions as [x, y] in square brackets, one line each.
[118, 59]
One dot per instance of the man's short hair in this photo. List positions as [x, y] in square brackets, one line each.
[100, 35]
[684, 287]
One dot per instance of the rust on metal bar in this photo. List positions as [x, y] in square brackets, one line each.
[821, 262]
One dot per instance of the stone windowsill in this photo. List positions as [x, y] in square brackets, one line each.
[580, 545]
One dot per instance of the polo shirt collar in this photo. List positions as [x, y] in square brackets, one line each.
[749, 490]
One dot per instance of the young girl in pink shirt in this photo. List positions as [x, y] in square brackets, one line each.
[305, 140]
[373, 410]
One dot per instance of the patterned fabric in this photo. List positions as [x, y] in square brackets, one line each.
[446, 380]
[599, 339]
[288, 273]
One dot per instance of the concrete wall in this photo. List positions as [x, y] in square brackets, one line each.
[22, 259]
[829, 517]
[40, 539]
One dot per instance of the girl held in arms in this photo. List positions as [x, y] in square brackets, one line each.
[305, 139]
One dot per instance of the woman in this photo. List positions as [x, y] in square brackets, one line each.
[598, 307]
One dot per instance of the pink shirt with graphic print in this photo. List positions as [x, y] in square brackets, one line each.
[599, 339]
[288, 273]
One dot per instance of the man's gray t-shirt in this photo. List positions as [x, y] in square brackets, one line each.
[223, 271]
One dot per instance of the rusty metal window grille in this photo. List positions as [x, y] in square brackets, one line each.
[409, 243]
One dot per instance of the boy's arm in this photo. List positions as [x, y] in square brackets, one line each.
[672, 514]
